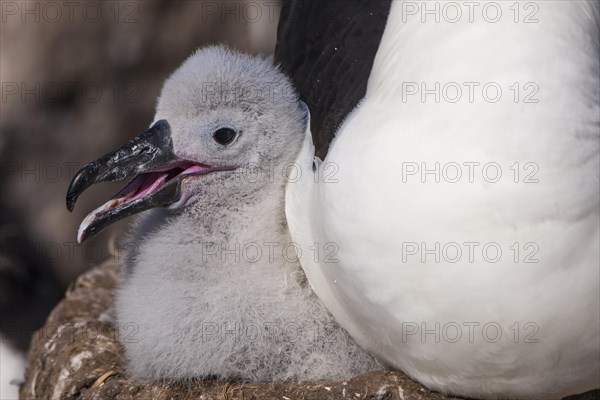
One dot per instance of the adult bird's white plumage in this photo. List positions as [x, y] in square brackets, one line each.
[397, 300]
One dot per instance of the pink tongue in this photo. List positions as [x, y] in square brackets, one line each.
[145, 184]
[150, 184]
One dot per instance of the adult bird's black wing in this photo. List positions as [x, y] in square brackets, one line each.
[328, 47]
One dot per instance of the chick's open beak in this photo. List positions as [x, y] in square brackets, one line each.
[159, 172]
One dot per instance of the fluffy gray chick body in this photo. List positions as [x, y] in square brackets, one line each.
[214, 288]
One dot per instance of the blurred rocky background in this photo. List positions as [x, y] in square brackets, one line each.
[78, 78]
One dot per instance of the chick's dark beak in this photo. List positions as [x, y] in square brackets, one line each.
[150, 156]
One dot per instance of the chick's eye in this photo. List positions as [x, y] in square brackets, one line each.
[224, 136]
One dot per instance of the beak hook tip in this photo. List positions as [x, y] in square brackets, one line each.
[71, 200]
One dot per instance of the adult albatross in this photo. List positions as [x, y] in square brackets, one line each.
[459, 194]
